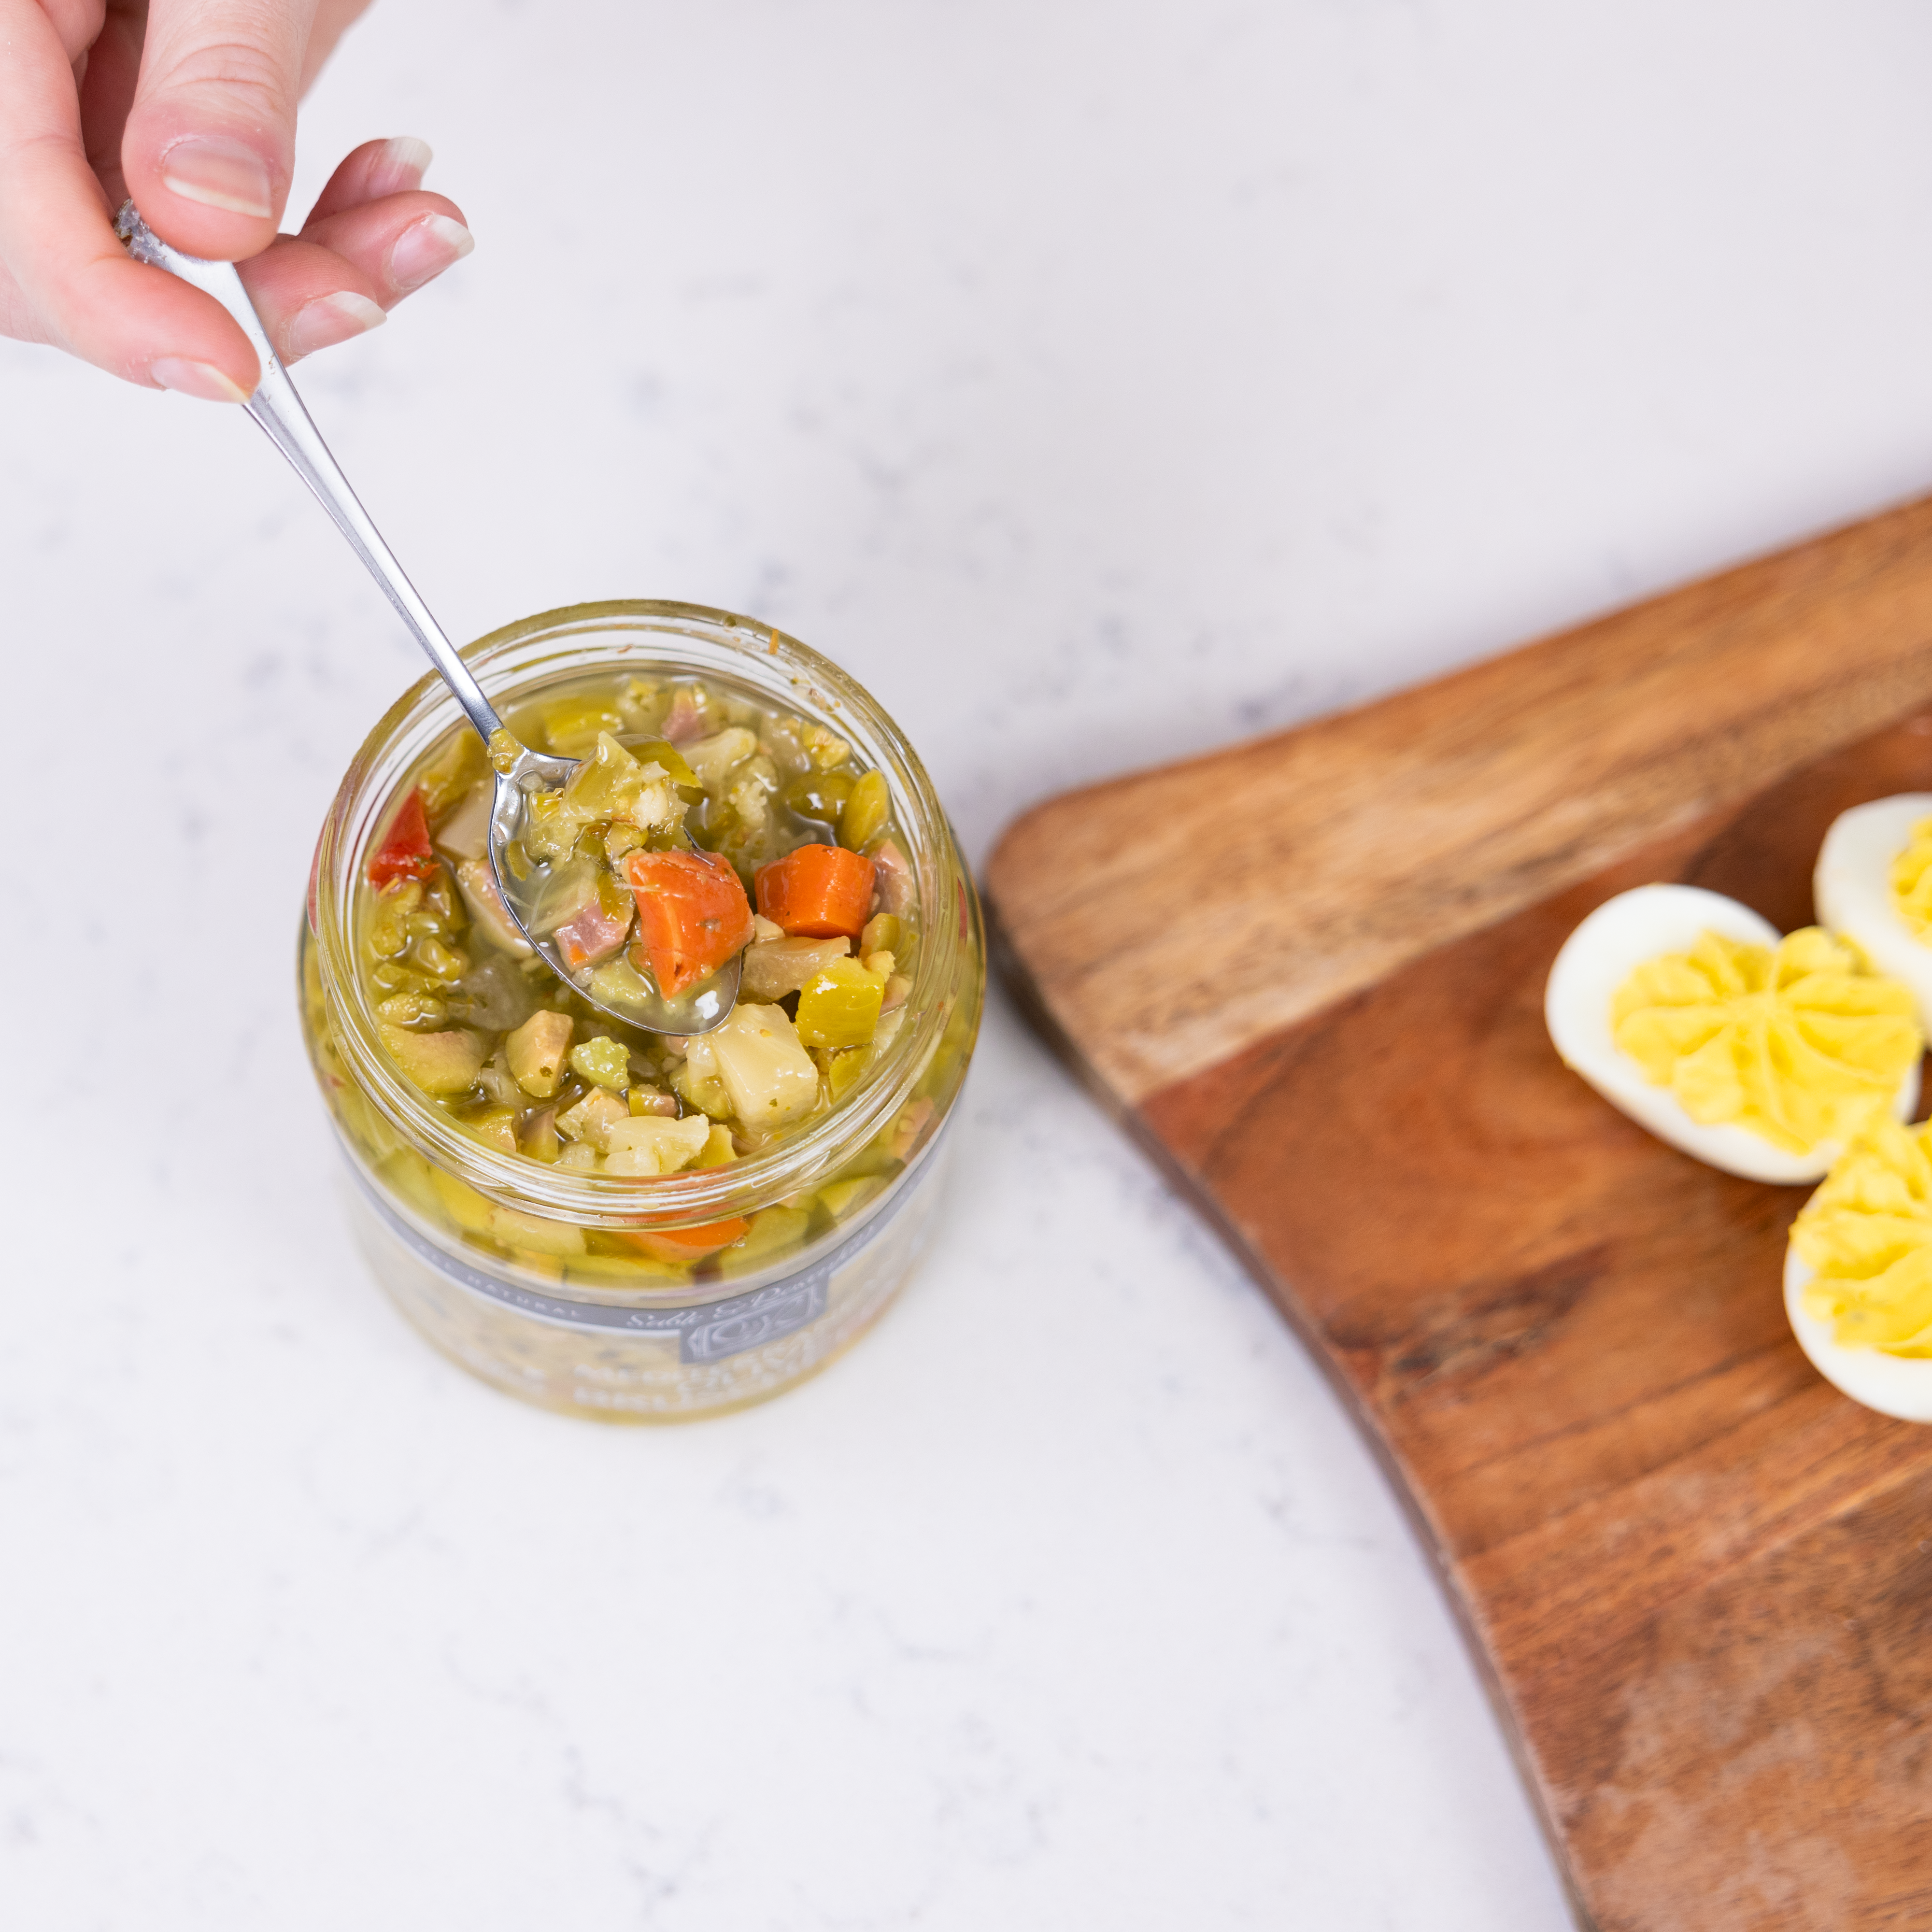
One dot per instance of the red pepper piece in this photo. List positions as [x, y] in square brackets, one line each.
[405, 852]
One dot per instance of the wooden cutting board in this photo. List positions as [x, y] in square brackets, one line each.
[1307, 973]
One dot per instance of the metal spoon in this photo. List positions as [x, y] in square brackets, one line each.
[520, 771]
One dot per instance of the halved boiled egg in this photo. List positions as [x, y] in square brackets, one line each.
[1857, 1275]
[1758, 1054]
[1874, 884]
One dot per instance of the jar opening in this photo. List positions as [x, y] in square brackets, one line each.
[643, 637]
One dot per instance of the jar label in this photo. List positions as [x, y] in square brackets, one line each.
[705, 1331]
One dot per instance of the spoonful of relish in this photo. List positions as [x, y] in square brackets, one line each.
[576, 847]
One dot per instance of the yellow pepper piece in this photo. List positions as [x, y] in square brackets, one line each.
[669, 760]
[469, 1209]
[843, 1198]
[572, 724]
[496, 1127]
[842, 1070]
[453, 771]
[1799, 1044]
[839, 1006]
[535, 1234]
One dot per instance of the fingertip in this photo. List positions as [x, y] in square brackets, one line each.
[154, 330]
[396, 244]
[425, 249]
[400, 166]
[209, 191]
[187, 377]
[321, 323]
[371, 172]
[309, 297]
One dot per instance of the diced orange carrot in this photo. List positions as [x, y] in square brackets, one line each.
[692, 915]
[686, 1244]
[817, 891]
[405, 852]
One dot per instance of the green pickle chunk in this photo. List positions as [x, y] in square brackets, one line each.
[771, 1231]
[867, 808]
[439, 1063]
[820, 797]
[604, 1061]
[536, 1052]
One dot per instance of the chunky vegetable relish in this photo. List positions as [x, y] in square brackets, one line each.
[701, 824]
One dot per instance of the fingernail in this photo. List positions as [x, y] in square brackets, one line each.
[425, 248]
[328, 320]
[401, 165]
[219, 173]
[195, 379]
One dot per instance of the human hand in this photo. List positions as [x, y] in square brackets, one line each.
[189, 106]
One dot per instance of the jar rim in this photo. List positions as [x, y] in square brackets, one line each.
[516, 660]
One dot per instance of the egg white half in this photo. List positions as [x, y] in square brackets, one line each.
[1852, 888]
[1894, 1385]
[1599, 956]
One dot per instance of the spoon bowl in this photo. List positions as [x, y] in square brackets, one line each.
[521, 772]
[632, 999]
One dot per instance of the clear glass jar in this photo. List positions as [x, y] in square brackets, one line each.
[520, 1271]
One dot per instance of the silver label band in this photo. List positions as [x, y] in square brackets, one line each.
[706, 1331]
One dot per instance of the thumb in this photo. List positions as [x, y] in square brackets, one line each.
[209, 145]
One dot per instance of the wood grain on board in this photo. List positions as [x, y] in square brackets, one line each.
[1699, 1580]
[1394, 828]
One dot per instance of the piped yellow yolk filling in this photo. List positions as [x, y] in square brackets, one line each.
[1867, 1232]
[1911, 879]
[1799, 1044]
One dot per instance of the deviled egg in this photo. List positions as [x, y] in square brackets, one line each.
[1873, 884]
[1758, 1053]
[1857, 1275]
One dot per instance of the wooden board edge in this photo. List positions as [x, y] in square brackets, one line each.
[1867, 554]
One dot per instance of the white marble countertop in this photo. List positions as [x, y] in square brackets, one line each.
[1097, 382]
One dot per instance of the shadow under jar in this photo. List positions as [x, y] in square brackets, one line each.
[569, 1285]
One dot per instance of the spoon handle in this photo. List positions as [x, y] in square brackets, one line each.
[279, 410]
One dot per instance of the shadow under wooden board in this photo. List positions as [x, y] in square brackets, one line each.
[1307, 972]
